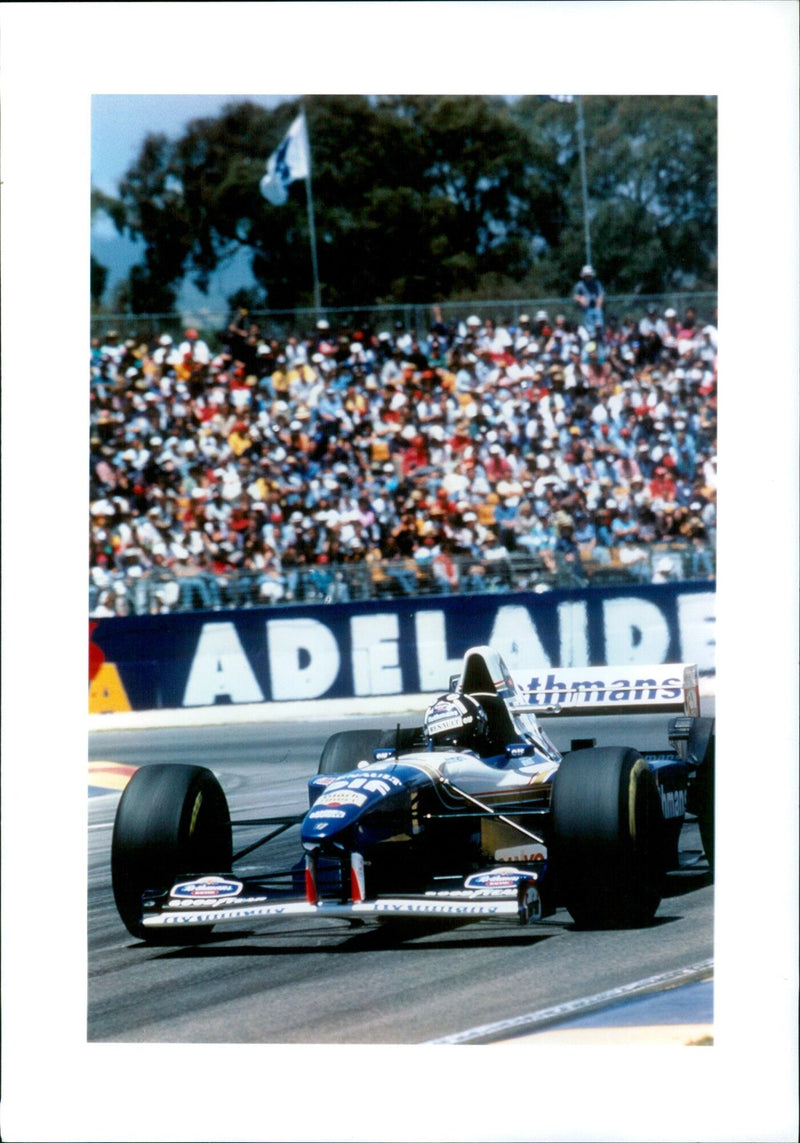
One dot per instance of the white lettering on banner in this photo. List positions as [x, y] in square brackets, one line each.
[376, 665]
[515, 636]
[432, 662]
[220, 669]
[573, 631]
[303, 658]
[697, 626]
[636, 631]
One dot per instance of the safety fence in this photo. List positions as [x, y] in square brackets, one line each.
[417, 317]
[162, 591]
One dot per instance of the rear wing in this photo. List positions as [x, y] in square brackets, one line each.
[587, 690]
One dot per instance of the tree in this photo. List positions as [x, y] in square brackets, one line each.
[424, 198]
[652, 188]
[98, 276]
[415, 198]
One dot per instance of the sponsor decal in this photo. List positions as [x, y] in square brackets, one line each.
[520, 749]
[598, 688]
[473, 894]
[452, 723]
[341, 798]
[434, 907]
[368, 783]
[205, 887]
[327, 813]
[202, 918]
[224, 903]
[673, 803]
[496, 879]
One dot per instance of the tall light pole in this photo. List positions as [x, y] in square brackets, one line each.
[584, 191]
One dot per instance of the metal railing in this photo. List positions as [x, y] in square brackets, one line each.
[161, 590]
[418, 317]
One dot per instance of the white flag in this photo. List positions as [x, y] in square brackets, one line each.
[289, 162]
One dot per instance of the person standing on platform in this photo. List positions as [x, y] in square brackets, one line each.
[590, 296]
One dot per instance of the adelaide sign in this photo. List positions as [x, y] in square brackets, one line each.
[281, 654]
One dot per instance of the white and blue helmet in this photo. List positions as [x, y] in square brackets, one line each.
[456, 721]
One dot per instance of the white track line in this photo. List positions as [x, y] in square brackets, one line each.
[561, 1011]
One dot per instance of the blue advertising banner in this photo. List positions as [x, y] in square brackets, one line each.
[280, 654]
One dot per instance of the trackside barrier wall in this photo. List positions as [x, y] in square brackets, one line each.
[351, 650]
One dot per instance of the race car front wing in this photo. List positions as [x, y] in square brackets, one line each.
[498, 894]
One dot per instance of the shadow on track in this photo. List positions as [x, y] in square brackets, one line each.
[378, 938]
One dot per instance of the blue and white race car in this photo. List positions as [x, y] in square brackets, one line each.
[472, 815]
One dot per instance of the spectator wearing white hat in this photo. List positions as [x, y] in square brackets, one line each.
[669, 328]
[164, 356]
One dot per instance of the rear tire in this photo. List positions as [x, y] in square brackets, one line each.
[171, 819]
[343, 751]
[608, 838]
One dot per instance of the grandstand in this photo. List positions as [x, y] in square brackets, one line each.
[352, 457]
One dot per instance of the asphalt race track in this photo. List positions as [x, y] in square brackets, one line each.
[302, 982]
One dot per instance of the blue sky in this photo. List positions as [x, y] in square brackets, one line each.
[120, 124]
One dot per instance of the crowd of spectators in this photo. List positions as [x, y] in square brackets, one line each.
[273, 469]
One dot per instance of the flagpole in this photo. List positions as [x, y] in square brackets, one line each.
[312, 233]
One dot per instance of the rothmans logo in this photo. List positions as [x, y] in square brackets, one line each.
[205, 887]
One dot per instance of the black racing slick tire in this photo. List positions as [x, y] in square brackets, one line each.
[344, 751]
[608, 845]
[171, 820]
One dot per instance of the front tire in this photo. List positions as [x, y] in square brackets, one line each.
[343, 751]
[608, 838]
[171, 819]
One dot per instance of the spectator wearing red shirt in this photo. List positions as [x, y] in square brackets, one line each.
[415, 456]
[497, 466]
[662, 486]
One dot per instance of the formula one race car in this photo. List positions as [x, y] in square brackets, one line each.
[472, 815]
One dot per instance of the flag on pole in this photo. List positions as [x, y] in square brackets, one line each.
[289, 162]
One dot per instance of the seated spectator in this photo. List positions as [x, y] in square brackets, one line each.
[271, 583]
[663, 570]
[635, 559]
[196, 580]
[534, 537]
[445, 569]
[105, 606]
[497, 563]
[474, 580]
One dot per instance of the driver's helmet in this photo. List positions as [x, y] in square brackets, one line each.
[456, 721]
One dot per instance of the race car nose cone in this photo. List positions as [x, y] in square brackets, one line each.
[328, 820]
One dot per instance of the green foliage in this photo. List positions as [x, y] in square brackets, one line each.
[98, 276]
[423, 198]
